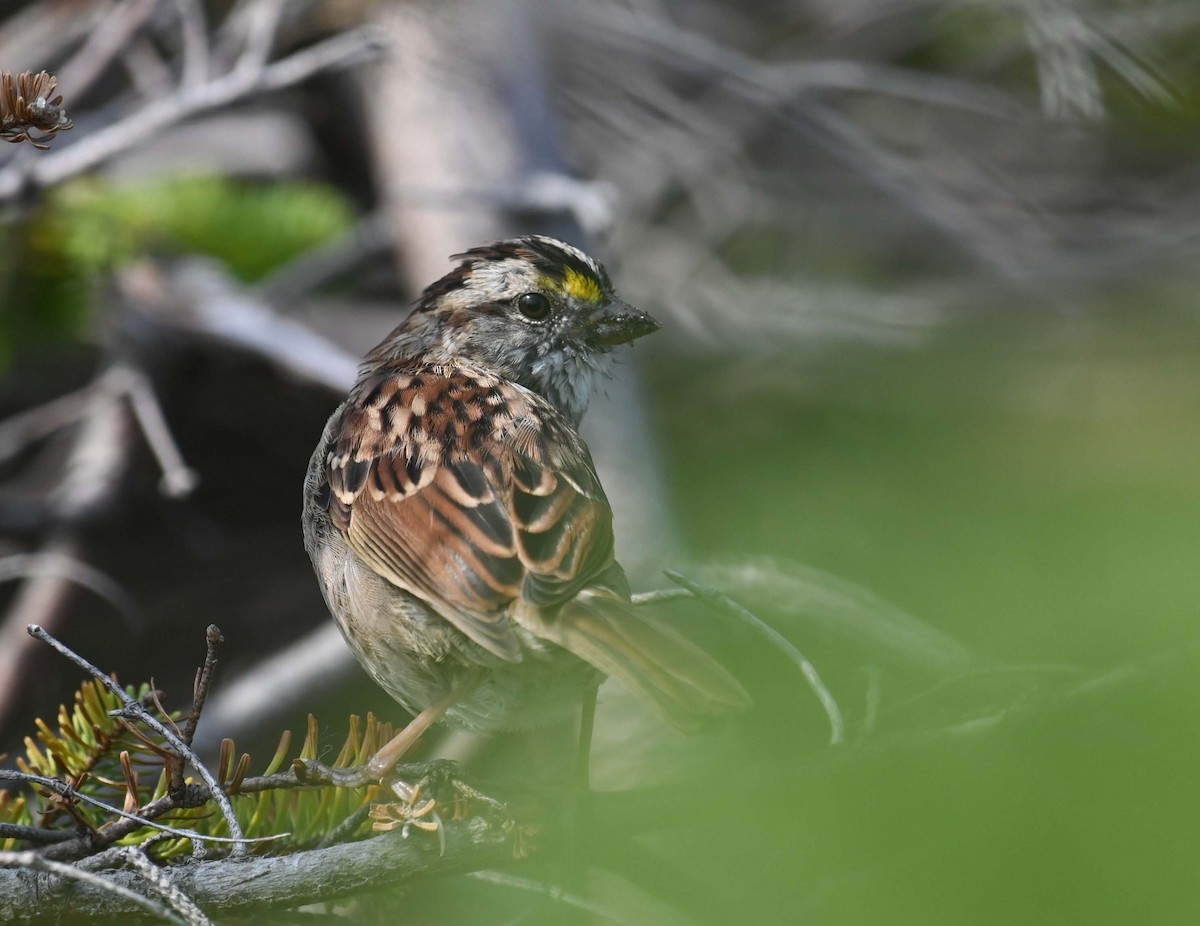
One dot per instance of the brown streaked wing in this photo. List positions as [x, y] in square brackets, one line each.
[464, 512]
[564, 526]
[562, 516]
[437, 529]
[461, 559]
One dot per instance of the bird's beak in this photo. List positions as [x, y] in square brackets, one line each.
[620, 323]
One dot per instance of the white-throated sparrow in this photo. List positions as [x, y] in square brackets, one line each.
[454, 517]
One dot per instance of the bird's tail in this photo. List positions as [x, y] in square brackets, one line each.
[663, 668]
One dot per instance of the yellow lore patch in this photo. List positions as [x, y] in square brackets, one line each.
[580, 286]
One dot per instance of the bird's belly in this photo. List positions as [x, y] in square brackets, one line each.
[418, 657]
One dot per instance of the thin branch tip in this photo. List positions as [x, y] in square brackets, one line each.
[182, 750]
[721, 602]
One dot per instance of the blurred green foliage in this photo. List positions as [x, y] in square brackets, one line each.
[58, 253]
[1008, 481]
[1026, 482]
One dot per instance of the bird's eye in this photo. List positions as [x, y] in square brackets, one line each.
[533, 305]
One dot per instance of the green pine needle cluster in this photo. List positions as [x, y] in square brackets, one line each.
[115, 761]
[86, 751]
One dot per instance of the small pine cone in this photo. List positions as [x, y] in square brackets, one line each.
[28, 104]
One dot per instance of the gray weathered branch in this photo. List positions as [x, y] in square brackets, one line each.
[342, 50]
[228, 886]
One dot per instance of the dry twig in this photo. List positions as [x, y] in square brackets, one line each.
[726, 605]
[344, 50]
[91, 478]
[134, 710]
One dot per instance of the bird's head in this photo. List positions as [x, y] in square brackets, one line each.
[533, 310]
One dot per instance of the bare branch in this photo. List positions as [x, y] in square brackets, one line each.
[41, 597]
[799, 93]
[35, 835]
[195, 42]
[726, 605]
[116, 893]
[344, 50]
[21, 430]
[134, 710]
[590, 203]
[144, 67]
[118, 380]
[285, 881]
[833, 608]
[159, 880]
[262, 22]
[199, 298]
[64, 790]
[59, 565]
[204, 674]
[554, 892]
[111, 37]
[178, 479]
[661, 596]
[213, 639]
[284, 681]
[91, 474]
